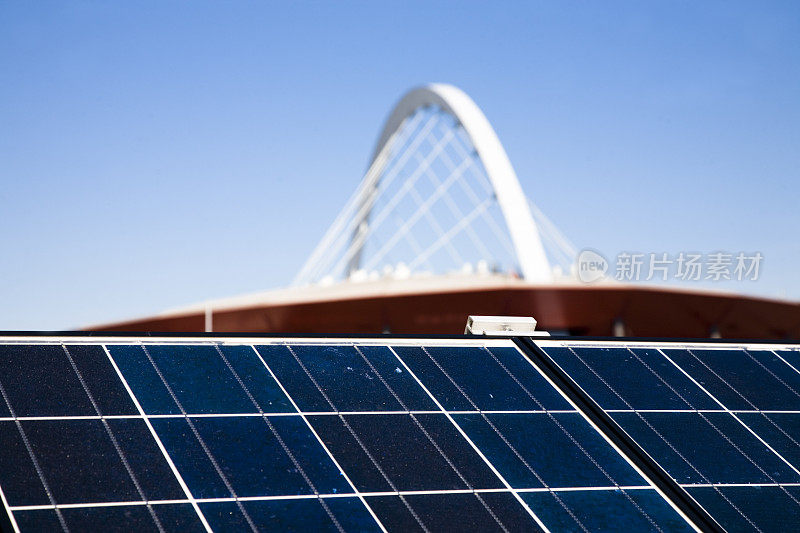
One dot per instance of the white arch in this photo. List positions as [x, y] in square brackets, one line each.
[512, 201]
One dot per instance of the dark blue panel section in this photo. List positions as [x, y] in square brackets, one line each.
[779, 430]
[559, 450]
[250, 456]
[116, 518]
[178, 517]
[698, 448]
[43, 520]
[294, 379]
[650, 380]
[188, 455]
[518, 365]
[770, 509]
[255, 376]
[605, 510]
[200, 379]
[349, 454]
[173, 517]
[743, 379]
[792, 357]
[453, 512]
[146, 460]
[143, 380]
[39, 381]
[466, 379]
[79, 461]
[291, 515]
[398, 378]
[404, 453]
[81, 464]
[18, 477]
[345, 377]
[101, 379]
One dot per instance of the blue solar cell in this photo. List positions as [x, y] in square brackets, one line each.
[454, 512]
[290, 373]
[143, 379]
[101, 380]
[256, 379]
[242, 456]
[171, 517]
[705, 448]
[45, 369]
[651, 381]
[74, 471]
[792, 358]
[752, 508]
[398, 379]
[343, 373]
[530, 450]
[605, 510]
[743, 379]
[779, 430]
[18, 477]
[145, 459]
[291, 515]
[403, 452]
[199, 379]
[39, 520]
[450, 375]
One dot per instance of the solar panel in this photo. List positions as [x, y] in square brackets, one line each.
[219, 433]
[723, 420]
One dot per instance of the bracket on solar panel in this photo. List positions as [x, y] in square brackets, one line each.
[502, 325]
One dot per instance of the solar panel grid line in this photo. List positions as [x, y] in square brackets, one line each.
[472, 444]
[370, 494]
[576, 443]
[280, 440]
[756, 391]
[770, 372]
[319, 439]
[359, 441]
[7, 522]
[431, 439]
[733, 414]
[159, 443]
[652, 428]
[613, 445]
[35, 461]
[715, 487]
[201, 441]
[647, 467]
[345, 413]
[384, 493]
[204, 393]
[502, 437]
[747, 427]
[114, 441]
[790, 365]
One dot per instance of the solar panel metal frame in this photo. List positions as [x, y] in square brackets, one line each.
[562, 382]
[536, 349]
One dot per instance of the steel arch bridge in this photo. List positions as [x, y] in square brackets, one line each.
[439, 195]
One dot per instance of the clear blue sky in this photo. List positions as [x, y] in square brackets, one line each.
[154, 154]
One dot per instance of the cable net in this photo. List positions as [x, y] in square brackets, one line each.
[425, 206]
